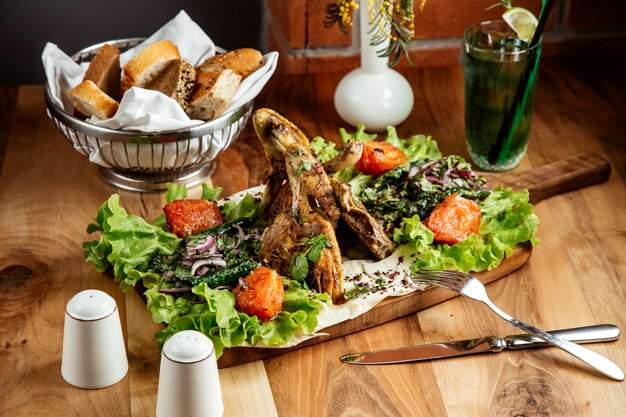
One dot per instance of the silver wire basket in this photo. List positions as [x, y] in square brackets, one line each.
[148, 161]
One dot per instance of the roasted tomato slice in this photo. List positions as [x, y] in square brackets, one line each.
[379, 157]
[260, 294]
[188, 217]
[454, 219]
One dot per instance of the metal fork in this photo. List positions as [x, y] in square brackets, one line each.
[471, 287]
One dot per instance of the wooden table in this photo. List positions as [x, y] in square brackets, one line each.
[576, 276]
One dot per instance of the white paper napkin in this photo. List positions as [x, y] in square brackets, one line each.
[150, 111]
[193, 44]
[147, 111]
[62, 74]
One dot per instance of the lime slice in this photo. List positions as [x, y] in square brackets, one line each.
[522, 21]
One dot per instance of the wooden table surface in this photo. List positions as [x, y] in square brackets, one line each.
[576, 276]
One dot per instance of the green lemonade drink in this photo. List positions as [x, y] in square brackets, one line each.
[494, 62]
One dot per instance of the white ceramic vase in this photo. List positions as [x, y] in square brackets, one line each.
[374, 94]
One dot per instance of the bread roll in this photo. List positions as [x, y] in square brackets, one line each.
[242, 61]
[104, 70]
[176, 80]
[91, 101]
[144, 67]
[212, 93]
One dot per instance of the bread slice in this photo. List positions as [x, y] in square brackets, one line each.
[104, 70]
[242, 61]
[91, 101]
[212, 94]
[176, 80]
[144, 67]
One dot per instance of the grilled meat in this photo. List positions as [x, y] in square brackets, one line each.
[303, 208]
[365, 226]
[265, 121]
[280, 242]
[348, 156]
[327, 272]
[302, 202]
[309, 182]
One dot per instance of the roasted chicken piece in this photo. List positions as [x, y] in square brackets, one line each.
[366, 227]
[282, 235]
[280, 242]
[348, 156]
[302, 202]
[327, 272]
[314, 205]
[353, 213]
[302, 208]
[265, 121]
[308, 181]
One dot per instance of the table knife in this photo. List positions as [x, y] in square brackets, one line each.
[587, 334]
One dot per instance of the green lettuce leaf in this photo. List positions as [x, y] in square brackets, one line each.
[218, 319]
[127, 244]
[248, 206]
[165, 308]
[359, 135]
[175, 192]
[299, 316]
[416, 148]
[324, 151]
[508, 219]
[359, 182]
[210, 193]
[414, 232]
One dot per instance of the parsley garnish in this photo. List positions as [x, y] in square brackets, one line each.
[299, 266]
[304, 166]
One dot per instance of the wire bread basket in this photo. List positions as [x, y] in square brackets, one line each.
[148, 161]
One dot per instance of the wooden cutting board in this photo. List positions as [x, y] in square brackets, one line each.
[559, 177]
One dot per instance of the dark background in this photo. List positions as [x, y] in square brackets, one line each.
[26, 26]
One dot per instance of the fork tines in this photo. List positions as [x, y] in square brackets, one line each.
[446, 279]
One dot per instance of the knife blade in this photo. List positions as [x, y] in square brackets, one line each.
[586, 334]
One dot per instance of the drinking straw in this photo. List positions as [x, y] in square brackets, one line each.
[513, 116]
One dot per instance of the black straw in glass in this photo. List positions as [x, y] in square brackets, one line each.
[521, 87]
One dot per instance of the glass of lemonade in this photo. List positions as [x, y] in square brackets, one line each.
[494, 62]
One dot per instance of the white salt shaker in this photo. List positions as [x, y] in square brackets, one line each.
[94, 355]
[189, 383]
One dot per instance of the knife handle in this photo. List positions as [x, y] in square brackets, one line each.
[586, 334]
